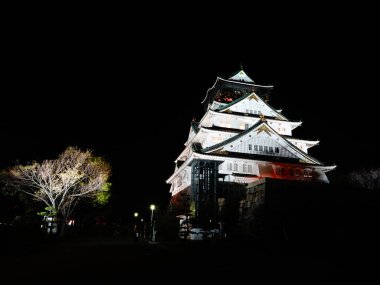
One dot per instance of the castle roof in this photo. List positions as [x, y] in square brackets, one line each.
[241, 76]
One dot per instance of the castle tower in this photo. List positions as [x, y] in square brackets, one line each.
[240, 139]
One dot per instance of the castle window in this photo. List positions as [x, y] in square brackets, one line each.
[229, 166]
[271, 149]
[256, 147]
[245, 168]
[277, 150]
[235, 167]
[249, 147]
[246, 126]
[265, 148]
[260, 148]
[249, 168]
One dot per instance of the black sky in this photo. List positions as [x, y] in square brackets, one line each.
[129, 94]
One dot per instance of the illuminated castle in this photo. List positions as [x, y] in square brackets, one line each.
[239, 140]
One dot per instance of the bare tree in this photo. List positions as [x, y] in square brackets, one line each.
[366, 178]
[63, 182]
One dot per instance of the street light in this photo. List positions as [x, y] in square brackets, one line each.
[136, 215]
[142, 229]
[152, 207]
[135, 227]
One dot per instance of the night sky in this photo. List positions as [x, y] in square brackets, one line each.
[131, 97]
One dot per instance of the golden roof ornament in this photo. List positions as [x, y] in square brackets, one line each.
[265, 129]
[253, 96]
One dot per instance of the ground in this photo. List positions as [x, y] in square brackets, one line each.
[119, 260]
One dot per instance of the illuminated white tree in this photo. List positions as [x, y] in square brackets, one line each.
[366, 178]
[63, 182]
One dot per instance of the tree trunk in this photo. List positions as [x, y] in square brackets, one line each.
[62, 228]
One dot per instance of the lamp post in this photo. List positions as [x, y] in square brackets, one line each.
[142, 229]
[152, 207]
[135, 229]
[136, 215]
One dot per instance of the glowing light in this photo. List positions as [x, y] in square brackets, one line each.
[152, 207]
[136, 214]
